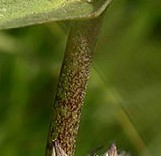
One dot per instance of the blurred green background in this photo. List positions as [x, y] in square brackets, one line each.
[123, 102]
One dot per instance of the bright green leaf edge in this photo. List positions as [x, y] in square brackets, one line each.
[19, 13]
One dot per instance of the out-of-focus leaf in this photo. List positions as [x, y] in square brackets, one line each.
[17, 13]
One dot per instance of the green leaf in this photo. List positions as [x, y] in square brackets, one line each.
[18, 13]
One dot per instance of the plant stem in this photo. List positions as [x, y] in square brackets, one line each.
[71, 88]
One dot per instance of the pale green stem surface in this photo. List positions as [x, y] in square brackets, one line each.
[71, 88]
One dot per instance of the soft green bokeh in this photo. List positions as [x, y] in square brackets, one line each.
[123, 102]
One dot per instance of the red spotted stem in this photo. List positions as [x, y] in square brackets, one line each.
[72, 86]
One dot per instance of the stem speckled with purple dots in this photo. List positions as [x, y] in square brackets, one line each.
[72, 86]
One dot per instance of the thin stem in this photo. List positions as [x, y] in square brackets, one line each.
[71, 89]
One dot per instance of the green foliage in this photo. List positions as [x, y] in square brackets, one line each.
[21, 13]
[123, 99]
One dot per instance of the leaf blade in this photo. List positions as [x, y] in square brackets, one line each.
[18, 13]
